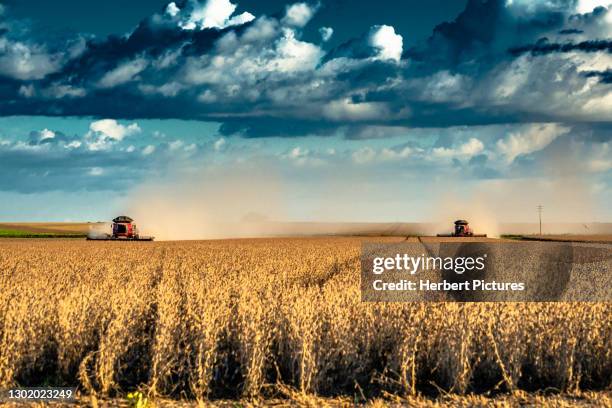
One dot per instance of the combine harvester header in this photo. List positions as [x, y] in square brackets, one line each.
[462, 229]
[123, 229]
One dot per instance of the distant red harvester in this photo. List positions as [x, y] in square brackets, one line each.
[123, 229]
[462, 229]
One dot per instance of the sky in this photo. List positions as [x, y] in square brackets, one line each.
[338, 111]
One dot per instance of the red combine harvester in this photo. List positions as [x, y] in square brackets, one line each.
[123, 228]
[462, 229]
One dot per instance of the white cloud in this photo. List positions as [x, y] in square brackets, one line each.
[326, 33]
[295, 55]
[346, 109]
[207, 97]
[304, 157]
[58, 91]
[535, 138]
[552, 85]
[147, 150]
[363, 155]
[598, 106]
[214, 14]
[172, 9]
[123, 73]
[27, 91]
[471, 148]
[175, 145]
[75, 144]
[26, 61]
[368, 154]
[297, 152]
[393, 154]
[387, 42]
[522, 7]
[264, 28]
[169, 89]
[467, 150]
[103, 133]
[96, 171]
[240, 19]
[298, 14]
[245, 67]
[444, 86]
[219, 144]
[46, 134]
[586, 6]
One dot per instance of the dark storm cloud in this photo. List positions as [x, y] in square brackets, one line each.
[604, 76]
[259, 77]
[544, 47]
[483, 31]
[570, 31]
[274, 127]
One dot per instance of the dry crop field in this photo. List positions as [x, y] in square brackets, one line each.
[269, 319]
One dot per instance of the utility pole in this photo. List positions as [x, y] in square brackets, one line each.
[540, 208]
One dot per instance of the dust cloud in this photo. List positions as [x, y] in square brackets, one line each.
[207, 205]
[254, 200]
[510, 207]
[99, 230]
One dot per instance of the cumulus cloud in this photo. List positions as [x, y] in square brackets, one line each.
[298, 14]
[535, 6]
[210, 14]
[103, 133]
[387, 42]
[172, 9]
[114, 130]
[46, 134]
[47, 137]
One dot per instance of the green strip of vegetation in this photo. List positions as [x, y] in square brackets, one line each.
[6, 233]
[513, 236]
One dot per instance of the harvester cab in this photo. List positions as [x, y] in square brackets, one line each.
[124, 227]
[462, 229]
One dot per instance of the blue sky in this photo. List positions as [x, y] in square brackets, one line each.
[352, 110]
